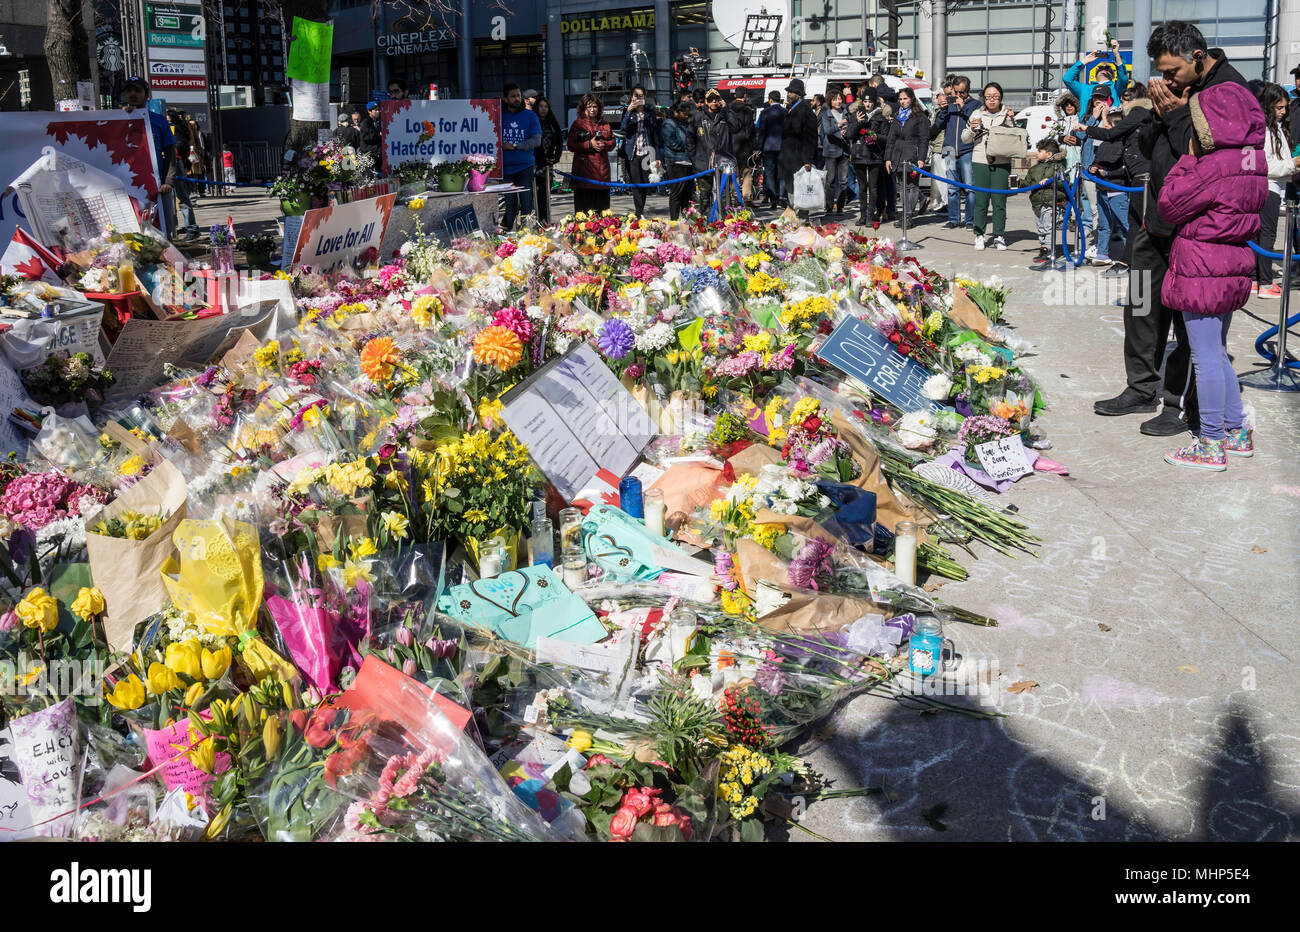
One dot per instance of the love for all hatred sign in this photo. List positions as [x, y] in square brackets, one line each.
[331, 237]
[857, 349]
[436, 131]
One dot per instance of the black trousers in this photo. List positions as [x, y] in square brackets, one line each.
[589, 199]
[1146, 331]
[863, 174]
[1136, 208]
[542, 194]
[636, 174]
[1267, 236]
[679, 195]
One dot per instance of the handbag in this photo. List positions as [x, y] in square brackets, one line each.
[1006, 142]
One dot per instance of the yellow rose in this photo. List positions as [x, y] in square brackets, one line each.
[185, 658]
[161, 679]
[214, 662]
[127, 694]
[38, 609]
[90, 602]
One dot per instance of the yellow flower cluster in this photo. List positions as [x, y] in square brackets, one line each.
[477, 458]
[776, 431]
[267, 355]
[932, 324]
[130, 524]
[758, 342]
[798, 316]
[346, 478]
[762, 283]
[132, 466]
[736, 602]
[985, 374]
[804, 408]
[755, 259]
[416, 203]
[425, 309]
[627, 246]
[741, 769]
[765, 535]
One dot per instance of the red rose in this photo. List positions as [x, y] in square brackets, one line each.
[387, 451]
[596, 760]
[623, 824]
[812, 424]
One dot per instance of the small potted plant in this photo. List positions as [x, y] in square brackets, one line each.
[453, 175]
[981, 429]
[294, 200]
[413, 176]
[256, 249]
[480, 167]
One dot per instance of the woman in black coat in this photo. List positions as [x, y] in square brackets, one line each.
[908, 142]
[866, 133]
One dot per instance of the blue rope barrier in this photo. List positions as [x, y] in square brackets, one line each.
[971, 187]
[716, 209]
[1268, 335]
[227, 184]
[1110, 184]
[628, 184]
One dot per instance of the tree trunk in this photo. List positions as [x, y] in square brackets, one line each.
[67, 51]
[302, 133]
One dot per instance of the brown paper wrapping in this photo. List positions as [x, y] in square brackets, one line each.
[818, 612]
[798, 523]
[330, 526]
[756, 562]
[889, 509]
[967, 313]
[128, 571]
[751, 460]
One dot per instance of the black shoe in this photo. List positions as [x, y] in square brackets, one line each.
[1042, 258]
[1168, 423]
[1126, 402]
[952, 226]
[1117, 270]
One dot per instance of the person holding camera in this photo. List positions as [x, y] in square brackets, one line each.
[640, 131]
[989, 171]
[1112, 76]
[590, 140]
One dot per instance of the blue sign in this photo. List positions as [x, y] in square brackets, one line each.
[858, 350]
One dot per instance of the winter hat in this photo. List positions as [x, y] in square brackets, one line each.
[1226, 116]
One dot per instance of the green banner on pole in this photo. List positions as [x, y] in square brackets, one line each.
[309, 52]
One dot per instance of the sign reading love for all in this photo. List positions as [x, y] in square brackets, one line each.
[857, 349]
[332, 237]
[433, 131]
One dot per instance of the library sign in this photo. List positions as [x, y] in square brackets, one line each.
[640, 19]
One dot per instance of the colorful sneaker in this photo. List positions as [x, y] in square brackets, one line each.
[1240, 442]
[1272, 291]
[1203, 454]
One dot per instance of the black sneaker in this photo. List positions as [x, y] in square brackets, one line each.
[1126, 402]
[1042, 258]
[1168, 423]
[952, 226]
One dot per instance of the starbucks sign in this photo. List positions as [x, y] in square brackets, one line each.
[110, 54]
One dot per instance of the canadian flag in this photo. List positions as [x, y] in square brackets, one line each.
[29, 259]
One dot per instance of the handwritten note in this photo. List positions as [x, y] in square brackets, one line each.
[858, 350]
[578, 421]
[165, 744]
[46, 750]
[1004, 459]
[15, 816]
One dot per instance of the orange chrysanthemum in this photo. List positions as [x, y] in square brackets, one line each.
[378, 357]
[498, 346]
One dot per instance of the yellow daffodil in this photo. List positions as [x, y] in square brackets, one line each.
[127, 694]
[161, 679]
[89, 603]
[363, 547]
[355, 571]
[396, 523]
[215, 662]
[38, 609]
[326, 561]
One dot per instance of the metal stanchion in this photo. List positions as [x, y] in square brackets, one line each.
[1277, 377]
[905, 243]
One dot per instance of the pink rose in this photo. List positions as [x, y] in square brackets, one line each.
[9, 620]
[623, 824]
[594, 761]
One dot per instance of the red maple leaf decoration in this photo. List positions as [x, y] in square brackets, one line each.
[114, 136]
[33, 269]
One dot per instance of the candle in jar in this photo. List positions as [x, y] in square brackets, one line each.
[570, 528]
[654, 511]
[491, 562]
[905, 552]
[575, 567]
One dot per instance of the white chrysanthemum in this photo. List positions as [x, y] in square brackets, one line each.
[656, 338]
[937, 387]
[916, 429]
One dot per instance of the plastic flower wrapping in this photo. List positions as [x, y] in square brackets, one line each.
[320, 589]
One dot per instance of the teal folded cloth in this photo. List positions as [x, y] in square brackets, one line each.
[523, 605]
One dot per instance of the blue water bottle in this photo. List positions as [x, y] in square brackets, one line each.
[629, 497]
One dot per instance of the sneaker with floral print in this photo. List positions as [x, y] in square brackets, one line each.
[1240, 442]
[1203, 454]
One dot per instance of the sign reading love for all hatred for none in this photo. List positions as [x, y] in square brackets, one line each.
[857, 349]
[440, 130]
[331, 237]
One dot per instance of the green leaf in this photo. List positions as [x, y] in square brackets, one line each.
[751, 830]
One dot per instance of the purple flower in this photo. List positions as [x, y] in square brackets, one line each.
[813, 558]
[408, 667]
[740, 365]
[441, 648]
[615, 339]
[404, 637]
[782, 361]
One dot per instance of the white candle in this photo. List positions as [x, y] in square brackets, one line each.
[654, 511]
[490, 564]
[905, 552]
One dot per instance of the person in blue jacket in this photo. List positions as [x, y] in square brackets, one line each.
[1113, 76]
[952, 114]
[521, 133]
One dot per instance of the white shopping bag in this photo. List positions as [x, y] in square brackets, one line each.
[809, 189]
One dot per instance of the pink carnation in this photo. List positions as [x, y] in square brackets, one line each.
[516, 321]
[506, 249]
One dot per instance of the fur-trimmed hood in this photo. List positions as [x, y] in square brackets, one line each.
[1137, 103]
[1059, 106]
[1226, 116]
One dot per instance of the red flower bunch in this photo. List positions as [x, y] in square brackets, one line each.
[306, 371]
[741, 717]
[643, 805]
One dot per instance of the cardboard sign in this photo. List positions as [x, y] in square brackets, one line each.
[858, 350]
[333, 237]
[461, 223]
[113, 141]
[435, 131]
[1004, 459]
[580, 424]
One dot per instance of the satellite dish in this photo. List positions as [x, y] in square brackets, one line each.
[730, 16]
